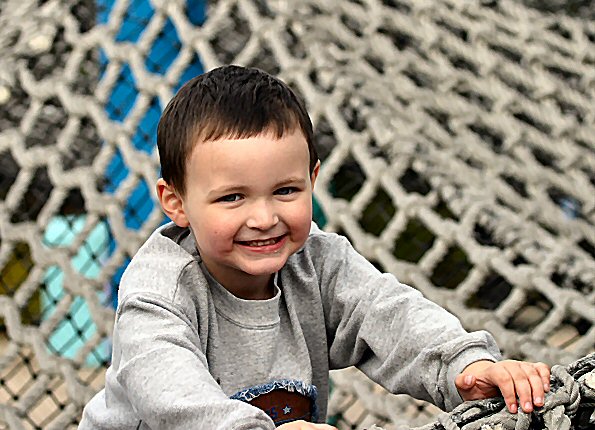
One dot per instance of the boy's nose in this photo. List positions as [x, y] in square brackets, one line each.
[262, 217]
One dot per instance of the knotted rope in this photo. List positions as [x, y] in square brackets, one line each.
[570, 404]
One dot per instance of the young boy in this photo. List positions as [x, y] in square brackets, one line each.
[231, 316]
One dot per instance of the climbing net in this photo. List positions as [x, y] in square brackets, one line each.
[458, 148]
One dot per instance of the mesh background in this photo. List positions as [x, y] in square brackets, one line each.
[458, 153]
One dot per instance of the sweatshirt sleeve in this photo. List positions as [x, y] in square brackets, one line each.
[165, 374]
[398, 338]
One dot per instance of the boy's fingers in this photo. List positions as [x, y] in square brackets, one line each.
[523, 388]
[544, 372]
[505, 383]
[536, 384]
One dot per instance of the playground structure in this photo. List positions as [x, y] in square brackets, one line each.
[458, 148]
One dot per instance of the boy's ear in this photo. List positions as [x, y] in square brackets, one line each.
[314, 174]
[171, 203]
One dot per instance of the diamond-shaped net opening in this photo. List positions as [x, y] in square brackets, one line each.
[377, 213]
[49, 120]
[414, 183]
[457, 145]
[491, 293]
[413, 242]
[34, 198]
[79, 149]
[528, 315]
[348, 180]
[452, 269]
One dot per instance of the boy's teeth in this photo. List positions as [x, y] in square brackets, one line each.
[261, 242]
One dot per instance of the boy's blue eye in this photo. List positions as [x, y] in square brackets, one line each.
[230, 198]
[286, 191]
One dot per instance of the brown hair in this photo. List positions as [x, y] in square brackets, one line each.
[228, 102]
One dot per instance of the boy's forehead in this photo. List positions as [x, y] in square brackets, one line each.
[270, 132]
[232, 150]
[289, 139]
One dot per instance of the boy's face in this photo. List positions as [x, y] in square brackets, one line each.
[249, 205]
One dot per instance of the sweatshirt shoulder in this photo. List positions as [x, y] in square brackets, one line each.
[158, 265]
[322, 247]
[323, 241]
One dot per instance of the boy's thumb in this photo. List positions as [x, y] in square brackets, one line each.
[465, 382]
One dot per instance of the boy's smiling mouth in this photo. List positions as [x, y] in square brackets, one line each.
[260, 243]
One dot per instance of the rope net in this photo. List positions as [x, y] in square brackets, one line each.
[458, 148]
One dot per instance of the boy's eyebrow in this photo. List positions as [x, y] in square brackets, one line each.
[226, 190]
[291, 181]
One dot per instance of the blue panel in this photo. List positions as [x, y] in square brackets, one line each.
[137, 17]
[164, 51]
[196, 11]
[104, 8]
[123, 95]
[144, 138]
[115, 173]
[139, 206]
[194, 68]
[77, 327]
[161, 55]
[71, 334]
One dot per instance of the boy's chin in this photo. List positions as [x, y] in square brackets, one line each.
[266, 269]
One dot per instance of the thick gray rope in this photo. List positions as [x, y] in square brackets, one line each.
[570, 404]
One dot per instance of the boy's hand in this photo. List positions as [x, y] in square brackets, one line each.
[303, 425]
[485, 379]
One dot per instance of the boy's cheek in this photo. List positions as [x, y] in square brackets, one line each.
[303, 217]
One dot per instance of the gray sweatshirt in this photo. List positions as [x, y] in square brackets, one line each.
[183, 345]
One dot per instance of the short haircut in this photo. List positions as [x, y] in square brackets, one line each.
[229, 102]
